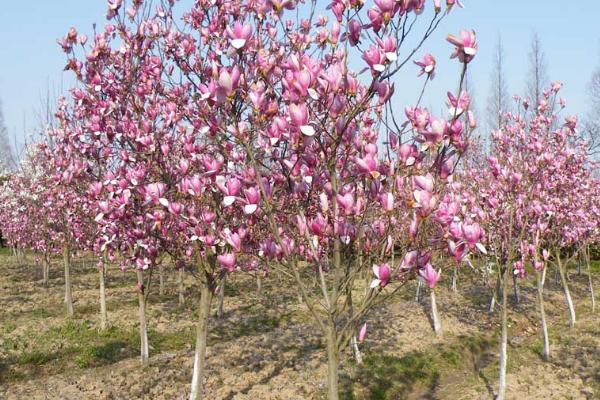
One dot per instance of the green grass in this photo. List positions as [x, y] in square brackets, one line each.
[35, 358]
[595, 266]
[395, 377]
[73, 342]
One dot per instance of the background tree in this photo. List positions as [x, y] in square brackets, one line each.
[537, 78]
[591, 124]
[7, 159]
[498, 99]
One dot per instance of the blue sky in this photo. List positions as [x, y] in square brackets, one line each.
[31, 60]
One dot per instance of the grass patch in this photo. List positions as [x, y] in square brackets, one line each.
[35, 358]
[390, 377]
[595, 266]
[73, 343]
[417, 373]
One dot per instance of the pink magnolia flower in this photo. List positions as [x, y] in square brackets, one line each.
[239, 35]
[227, 261]
[155, 192]
[318, 225]
[368, 165]
[252, 197]
[545, 254]
[410, 260]
[427, 65]
[376, 18]
[230, 188]
[229, 80]
[299, 117]
[423, 182]
[456, 106]
[233, 239]
[538, 265]
[175, 208]
[346, 202]
[387, 201]
[465, 45]
[519, 269]
[375, 59]
[354, 29]
[362, 333]
[435, 134]
[473, 235]
[425, 201]
[430, 275]
[407, 153]
[458, 251]
[382, 273]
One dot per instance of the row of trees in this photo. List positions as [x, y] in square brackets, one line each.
[499, 97]
[241, 141]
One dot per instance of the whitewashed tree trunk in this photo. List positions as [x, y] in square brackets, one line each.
[103, 313]
[540, 290]
[590, 280]
[181, 286]
[197, 391]
[504, 337]
[161, 280]
[566, 289]
[221, 298]
[144, 353]
[68, 291]
[435, 318]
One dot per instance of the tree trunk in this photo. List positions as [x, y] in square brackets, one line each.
[103, 314]
[68, 293]
[353, 341]
[495, 293]
[418, 291]
[435, 318]
[540, 290]
[45, 271]
[142, 314]
[455, 279]
[258, 284]
[504, 337]
[197, 392]
[221, 298]
[566, 289]
[515, 288]
[332, 363]
[589, 271]
[161, 280]
[181, 287]
[356, 351]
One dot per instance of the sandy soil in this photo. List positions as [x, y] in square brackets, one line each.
[265, 346]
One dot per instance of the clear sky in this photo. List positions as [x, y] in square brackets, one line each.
[31, 61]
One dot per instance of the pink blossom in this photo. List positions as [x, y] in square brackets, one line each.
[427, 65]
[239, 35]
[465, 45]
[227, 261]
[430, 275]
[382, 273]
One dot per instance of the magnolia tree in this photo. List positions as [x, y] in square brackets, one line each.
[311, 151]
[529, 199]
[24, 222]
[46, 217]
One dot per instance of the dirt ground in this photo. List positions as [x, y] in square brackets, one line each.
[265, 346]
